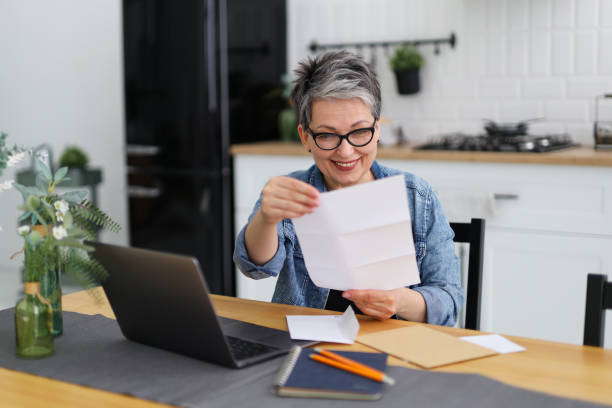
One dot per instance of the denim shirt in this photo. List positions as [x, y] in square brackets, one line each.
[433, 240]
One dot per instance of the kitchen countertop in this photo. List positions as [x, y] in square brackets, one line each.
[577, 156]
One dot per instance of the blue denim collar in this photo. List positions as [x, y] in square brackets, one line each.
[316, 177]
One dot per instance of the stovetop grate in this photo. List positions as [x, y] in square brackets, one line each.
[520, 143]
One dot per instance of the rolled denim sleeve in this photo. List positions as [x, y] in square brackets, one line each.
[246, 265]
[440, 277]
[248, 268]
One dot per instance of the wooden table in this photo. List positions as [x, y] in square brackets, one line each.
[556, 368]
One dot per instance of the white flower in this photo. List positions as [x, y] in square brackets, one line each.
[61, 206]
[59, 216]
[59, 232]
[6, 185]
[24, 229]
[15, 158]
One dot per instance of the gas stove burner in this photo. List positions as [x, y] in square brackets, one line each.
[500, 143]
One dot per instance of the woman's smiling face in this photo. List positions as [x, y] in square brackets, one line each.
[346, 165]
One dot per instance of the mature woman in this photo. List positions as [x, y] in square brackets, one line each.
[337, 99]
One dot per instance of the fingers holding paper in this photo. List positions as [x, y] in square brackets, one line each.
[286, 197]
[282, 197]
[382, 304]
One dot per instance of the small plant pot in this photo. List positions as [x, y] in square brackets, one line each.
[408, 82]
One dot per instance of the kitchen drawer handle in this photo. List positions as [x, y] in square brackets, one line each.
[504, 196]
[144, 192]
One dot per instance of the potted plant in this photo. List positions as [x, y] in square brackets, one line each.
[76, 160]
[73, 157]
[287, 119]
[406, 63]
[54, 227]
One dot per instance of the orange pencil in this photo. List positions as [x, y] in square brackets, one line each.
[343, 363]
[348, 361]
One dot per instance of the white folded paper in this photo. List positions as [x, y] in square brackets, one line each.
[494, 342]
[360, 237]
[331, 328]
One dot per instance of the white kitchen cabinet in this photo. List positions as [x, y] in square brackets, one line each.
[251, 173]
[535, 282]
[550, 226]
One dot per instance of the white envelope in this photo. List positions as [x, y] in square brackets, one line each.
[360, 237]
[330, 328]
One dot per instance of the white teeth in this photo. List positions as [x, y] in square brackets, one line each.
[342, 164]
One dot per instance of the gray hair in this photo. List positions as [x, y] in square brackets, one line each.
[334, 75]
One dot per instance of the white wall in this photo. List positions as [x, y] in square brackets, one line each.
[61, 82]
[514, 59]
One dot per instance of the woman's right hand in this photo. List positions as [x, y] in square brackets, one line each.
[282, 197]
[286, 197]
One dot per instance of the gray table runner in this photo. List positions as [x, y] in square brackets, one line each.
[94, 353]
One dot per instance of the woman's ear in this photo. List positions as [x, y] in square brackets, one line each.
[377, 129]
[303, 136]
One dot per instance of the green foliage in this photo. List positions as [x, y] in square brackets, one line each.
[39, 256]
[86, 271]
[6, 152]
[406, 58]
[68, 219]
[86, 211]
[74, 197]
[73, 156]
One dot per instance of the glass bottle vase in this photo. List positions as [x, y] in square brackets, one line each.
[51, 288]
[50, 284]
[33, 324]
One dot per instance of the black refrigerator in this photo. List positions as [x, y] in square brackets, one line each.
[199, 76]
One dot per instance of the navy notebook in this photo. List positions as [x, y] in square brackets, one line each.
[300, 376]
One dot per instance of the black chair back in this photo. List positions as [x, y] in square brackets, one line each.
[598, 299]
[472, 233]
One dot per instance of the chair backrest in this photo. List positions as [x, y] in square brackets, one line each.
[598, 299]
[473, 234]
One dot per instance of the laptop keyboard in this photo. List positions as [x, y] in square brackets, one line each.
[242, 349]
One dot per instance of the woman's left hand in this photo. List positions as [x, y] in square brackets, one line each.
[382, 304]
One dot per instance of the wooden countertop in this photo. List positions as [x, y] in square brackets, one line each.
[577, 156]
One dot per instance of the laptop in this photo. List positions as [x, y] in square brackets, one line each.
[162, 300]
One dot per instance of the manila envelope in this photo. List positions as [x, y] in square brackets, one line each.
[423, 346]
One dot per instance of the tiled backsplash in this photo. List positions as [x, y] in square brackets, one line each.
[514, 59]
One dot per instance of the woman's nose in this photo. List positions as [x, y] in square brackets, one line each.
[345, 149]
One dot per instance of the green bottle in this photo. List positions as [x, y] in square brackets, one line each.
[51, 288]
[33, 324]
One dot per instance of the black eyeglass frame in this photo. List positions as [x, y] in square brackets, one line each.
[342, 137]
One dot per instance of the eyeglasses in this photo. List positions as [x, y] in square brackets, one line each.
[330, 141]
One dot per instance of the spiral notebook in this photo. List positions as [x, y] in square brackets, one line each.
[300, 376]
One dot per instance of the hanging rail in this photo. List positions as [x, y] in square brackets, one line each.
[451, 40]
